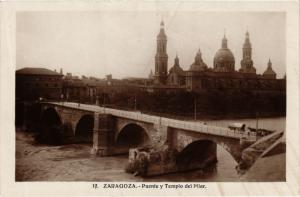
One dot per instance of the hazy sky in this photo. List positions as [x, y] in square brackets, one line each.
[124, 43]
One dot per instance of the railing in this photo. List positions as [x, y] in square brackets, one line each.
[191, 126]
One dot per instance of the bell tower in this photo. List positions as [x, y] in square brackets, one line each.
[246, 62]
[161, 57]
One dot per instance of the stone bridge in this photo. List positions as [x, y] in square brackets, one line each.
[112, 131]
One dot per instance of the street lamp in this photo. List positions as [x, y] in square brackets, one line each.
[103, 100]
[135, 102]
[62, 98]
[195, 108]
[79, 101]
[97, 100]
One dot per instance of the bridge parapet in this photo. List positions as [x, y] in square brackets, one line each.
[167, 122]
[134, 116]
[203, 128]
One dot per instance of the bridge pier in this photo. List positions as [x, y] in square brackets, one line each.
[199, 156]
[160, 134]
[102, 135]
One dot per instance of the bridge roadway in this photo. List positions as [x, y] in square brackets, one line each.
[199, 127]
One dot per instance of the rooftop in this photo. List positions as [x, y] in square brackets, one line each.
[36, 71]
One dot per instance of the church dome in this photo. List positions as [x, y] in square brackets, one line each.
[224, 59]
[198, 64]
[223, 56]
[176, 68]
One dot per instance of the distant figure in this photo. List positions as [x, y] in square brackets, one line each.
[243, 127]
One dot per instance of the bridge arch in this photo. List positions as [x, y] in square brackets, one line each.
[84, 129]
[50, 116]
[51, 127]
[197, 154]
[132, 135]
[231, 146]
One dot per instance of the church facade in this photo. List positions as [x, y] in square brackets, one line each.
[222, 75]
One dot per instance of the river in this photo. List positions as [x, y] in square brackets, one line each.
[277, 124]
[226, 164]
[73, 162]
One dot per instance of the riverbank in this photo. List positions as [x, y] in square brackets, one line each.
[35, 162]
[73, 162]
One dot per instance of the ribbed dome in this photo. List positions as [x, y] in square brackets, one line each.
[224, 59]
[224, 55]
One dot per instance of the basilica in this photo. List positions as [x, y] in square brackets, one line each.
[222, 75]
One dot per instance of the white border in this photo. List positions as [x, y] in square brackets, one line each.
[7, 83]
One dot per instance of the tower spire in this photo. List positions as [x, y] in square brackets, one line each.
[176, 61]
[161, 57]
[247, 40]
[246, 62]
[269, 63]
[162, 24]
[150, 74]
[269, 73]
[198, 58]
[224, 42]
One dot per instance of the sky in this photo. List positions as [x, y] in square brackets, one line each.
[97, 43]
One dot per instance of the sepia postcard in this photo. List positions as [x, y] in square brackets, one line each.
[147, 98]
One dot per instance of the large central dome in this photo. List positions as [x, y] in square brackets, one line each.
[224, 59]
